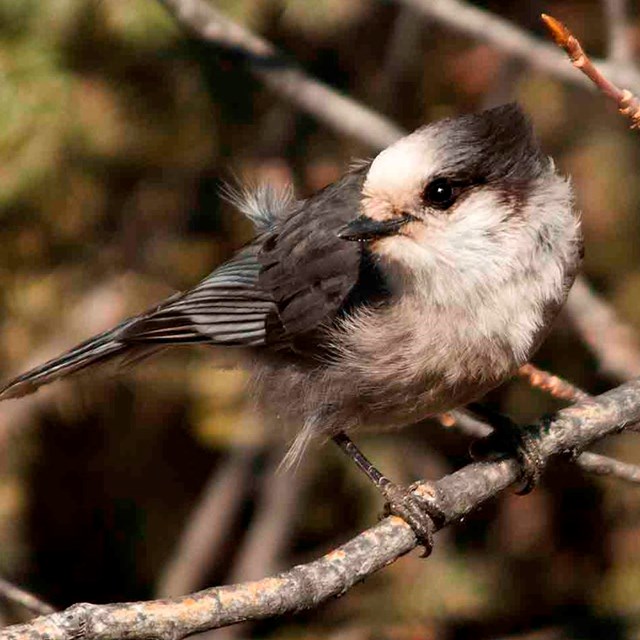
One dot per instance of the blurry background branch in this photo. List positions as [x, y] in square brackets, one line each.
[208, 525]
[614, 343]
[600, 465]
[489, 27]
[259, 553]
[16, 595]
[339, 112]
[619, 37]
[306, 586]
[270, 532]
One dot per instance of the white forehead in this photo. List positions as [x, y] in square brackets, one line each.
[405, 165]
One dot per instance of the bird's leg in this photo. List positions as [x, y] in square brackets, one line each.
[417, 511]
[510, 439]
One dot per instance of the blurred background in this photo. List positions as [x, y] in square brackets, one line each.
[117, 130]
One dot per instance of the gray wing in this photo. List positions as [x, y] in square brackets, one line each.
[313, 275]
[226, 308]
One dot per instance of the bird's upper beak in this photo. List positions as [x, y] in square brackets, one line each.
[364, 228]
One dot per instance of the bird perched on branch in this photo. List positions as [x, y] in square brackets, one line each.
[414, 284]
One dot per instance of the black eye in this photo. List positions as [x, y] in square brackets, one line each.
[440, 193]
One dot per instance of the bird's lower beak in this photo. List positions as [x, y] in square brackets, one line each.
[364, 228]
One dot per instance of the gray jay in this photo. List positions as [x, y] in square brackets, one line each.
[412, 285]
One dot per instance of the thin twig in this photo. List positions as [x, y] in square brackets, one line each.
[553, 385]
[308, 585]
[600, 465]
[627, 103]
[465, 423]
[12, 593]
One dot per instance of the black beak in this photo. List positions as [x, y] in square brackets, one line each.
[363, 228]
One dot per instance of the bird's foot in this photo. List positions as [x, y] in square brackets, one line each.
[510, 440]
[417, 507]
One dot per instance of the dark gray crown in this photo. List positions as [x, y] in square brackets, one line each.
[494, 145]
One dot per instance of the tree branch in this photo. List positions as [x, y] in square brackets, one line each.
[306, 586]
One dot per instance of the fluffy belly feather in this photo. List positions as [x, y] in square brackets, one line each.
[392, 368]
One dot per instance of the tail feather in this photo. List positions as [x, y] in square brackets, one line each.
[96, 350]
[226, 308]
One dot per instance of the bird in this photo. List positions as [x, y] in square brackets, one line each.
[414, 284]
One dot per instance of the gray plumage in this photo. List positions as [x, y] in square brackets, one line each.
[469, 244]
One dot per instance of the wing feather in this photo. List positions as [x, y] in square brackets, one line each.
[227, 308]
[308, 269]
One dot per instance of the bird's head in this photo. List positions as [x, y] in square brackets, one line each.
[468, 193]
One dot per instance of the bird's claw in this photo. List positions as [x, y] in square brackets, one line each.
[517, 443]
[417, 511]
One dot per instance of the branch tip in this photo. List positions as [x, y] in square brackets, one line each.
[447, 419]
[557, 30]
